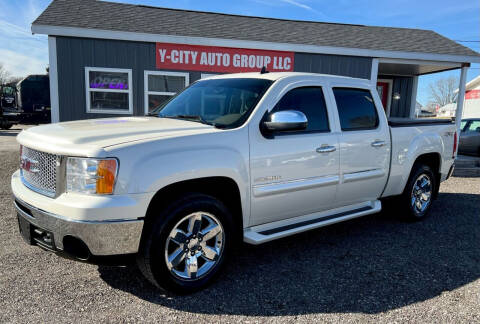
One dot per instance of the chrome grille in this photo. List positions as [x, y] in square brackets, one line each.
[39, 171]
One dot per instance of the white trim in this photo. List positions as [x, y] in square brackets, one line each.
[374, 71]
[302, 48]
[146, 73]
[53, 76]
[413, 101]
[113, 110]
[461, 100]
[389, 96]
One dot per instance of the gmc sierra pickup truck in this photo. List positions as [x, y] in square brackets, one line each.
[243, 157]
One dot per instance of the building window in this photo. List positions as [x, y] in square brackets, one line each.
[160, 86]
[109, 91]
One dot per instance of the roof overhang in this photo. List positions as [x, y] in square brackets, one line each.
[302, 48]
[400, 67]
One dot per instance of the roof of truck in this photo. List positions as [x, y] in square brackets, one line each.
[279, 75]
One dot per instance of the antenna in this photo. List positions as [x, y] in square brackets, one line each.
[264, 70]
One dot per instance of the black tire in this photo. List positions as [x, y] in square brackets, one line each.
[410, 210]
[151, 258]
[6, 125]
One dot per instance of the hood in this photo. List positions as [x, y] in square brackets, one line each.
[96, 134]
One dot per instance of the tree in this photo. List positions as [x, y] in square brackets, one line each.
[15, 79]
[442, 91]
[4, 75]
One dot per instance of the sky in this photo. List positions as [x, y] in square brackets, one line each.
[22, 53]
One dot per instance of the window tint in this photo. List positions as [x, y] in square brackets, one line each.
[311, 102]
[474, 125]
[356, 109]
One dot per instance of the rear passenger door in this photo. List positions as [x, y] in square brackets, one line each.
[364, 145]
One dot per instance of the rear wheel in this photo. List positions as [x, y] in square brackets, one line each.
[187, 244]
[419, 192]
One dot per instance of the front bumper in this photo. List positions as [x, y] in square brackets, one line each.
[100, 237]
[107, 225]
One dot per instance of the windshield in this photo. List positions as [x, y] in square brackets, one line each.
[8, 90]
[224, 103]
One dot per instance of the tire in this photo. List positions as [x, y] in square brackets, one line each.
[419, 193]
[176, 234]
[5, 125]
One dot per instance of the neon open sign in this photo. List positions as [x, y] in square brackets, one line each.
[111, 85]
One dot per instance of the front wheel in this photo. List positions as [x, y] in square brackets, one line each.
[419, 192]
[187, 244]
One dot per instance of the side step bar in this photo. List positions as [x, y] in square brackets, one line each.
[268, 232]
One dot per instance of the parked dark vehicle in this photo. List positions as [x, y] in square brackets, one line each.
[470, 137]
[33, 98]
[7, 95]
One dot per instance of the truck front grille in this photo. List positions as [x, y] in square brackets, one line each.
[39, 171]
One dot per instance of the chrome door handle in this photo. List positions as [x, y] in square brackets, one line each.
[378, 143]
[326, 149]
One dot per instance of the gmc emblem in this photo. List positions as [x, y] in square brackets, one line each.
[29, 165]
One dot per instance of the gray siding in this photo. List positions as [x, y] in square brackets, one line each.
[74, 54]
[402, 86]
[352, 66]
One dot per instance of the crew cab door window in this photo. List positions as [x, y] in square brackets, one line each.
[311, 102]
[356, 109]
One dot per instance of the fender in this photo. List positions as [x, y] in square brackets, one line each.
[149, 166]
[406, 150]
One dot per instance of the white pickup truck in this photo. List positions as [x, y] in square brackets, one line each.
[252, 157]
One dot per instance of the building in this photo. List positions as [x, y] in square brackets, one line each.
[471, 108]
[111, 59]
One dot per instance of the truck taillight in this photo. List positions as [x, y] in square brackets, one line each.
[455, 143]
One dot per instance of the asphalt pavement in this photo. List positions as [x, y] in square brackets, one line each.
[376, 268]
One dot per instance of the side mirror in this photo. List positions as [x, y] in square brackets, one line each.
[285, 120]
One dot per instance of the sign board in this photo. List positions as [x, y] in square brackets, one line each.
[220, 59]
[472, 94]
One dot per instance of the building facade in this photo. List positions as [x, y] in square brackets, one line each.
[111, 59]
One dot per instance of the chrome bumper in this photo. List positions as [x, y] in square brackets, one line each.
[102, 238]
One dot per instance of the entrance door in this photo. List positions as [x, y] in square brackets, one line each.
[384, 89]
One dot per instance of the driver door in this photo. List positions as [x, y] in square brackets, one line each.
[295, 173]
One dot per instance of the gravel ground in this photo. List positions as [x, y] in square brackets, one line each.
[376, 268]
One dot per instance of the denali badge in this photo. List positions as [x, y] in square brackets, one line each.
[269, 178]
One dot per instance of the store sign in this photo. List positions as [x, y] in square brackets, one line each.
[220, 59]
[472, 94]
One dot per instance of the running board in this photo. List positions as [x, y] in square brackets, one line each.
[268, 232]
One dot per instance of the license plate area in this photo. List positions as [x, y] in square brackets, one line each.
[34, 235]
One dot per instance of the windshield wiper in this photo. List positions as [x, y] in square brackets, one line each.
[196, 118]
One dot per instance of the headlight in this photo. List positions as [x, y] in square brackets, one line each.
[91, 176]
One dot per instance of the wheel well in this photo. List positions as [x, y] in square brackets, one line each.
[430, 159]
[433, 160]
[223, 188]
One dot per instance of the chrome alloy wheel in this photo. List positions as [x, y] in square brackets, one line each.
[421, 193]
[194, 246]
